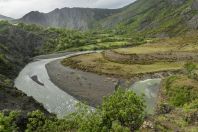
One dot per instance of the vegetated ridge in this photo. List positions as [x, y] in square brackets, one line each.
[158, 18]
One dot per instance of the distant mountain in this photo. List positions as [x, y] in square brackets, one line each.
[5, 18]
[72, 18]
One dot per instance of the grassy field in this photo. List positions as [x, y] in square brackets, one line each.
[96, 63]
[147, 48]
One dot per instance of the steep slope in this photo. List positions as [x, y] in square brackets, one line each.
[5, 18]
[16, 47]
[71, 18]
[161, 18]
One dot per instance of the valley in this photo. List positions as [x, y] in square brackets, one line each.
[81, 69]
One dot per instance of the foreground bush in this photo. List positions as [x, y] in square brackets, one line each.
[123, 111]
[125, 107]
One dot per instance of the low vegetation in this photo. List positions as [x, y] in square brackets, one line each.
[178, 102]
[122, 111]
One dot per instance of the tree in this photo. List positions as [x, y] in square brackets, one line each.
[125, 107]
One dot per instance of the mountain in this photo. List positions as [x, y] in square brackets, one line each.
[72, 18]
[5, 18]
[160, 17]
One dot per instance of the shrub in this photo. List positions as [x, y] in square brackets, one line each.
[125, 107]
[180, 95]
[180, 90]
[7, 122]
[36, 120]
[120, 112]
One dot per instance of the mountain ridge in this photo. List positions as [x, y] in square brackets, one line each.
[2, 17]
[72, 18]
[141, 15]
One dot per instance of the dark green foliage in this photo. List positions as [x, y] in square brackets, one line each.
[6, 122]
[65, 39]
[121, 112]
[5, 65]
[125, 107]
[36, 120]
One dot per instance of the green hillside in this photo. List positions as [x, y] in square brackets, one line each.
[160, 18]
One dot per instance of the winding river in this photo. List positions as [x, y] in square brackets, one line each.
[43, 90]
[34, 81]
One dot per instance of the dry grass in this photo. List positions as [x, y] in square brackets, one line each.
[96, 63]
[146, 49]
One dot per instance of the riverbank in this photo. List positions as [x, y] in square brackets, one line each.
[84, 86]
[12, 99]
[91, 87]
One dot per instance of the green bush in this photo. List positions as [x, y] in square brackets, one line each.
[36, 120]
[7, 122]
[178, 96]
[125, 107]
[121, 112]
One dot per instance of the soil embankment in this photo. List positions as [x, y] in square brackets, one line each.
[149, 58]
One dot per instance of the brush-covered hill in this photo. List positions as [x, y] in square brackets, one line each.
[161, 18]
[71, 18]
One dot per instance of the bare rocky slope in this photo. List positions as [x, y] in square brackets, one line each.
[72, 18]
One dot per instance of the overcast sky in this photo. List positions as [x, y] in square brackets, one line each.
[18, 8]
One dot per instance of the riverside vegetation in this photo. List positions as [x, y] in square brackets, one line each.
[146, 28]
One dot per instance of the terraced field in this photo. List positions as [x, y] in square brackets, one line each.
[134, 61]
[97, 64]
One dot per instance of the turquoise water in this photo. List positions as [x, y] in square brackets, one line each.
[150, 89]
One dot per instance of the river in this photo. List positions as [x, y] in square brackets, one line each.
[34, 81]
